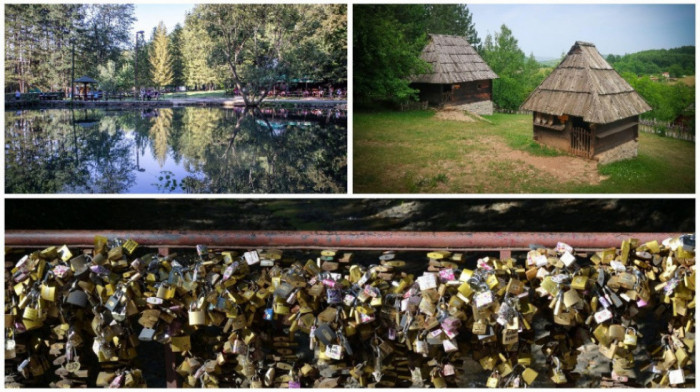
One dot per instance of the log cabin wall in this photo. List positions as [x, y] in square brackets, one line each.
[556, 138]
[470, 92]
[615, 133]
[429, 92]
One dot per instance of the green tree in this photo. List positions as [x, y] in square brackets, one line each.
[159, 58]
[452, 19]
[39, 40]
[257, 42]
[108, 76]
[387, 42]
[676, 71]
[518, 75]
[196, 48]
[175, 50]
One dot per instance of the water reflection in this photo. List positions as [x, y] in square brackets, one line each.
[195, 150]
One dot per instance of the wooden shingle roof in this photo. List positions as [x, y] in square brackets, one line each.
[453, 60]
[585, 85]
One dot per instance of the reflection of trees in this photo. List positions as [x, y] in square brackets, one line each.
[59, 151]
[241, 154]
[225, 151]
[160, 134]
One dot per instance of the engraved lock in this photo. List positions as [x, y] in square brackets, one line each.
[30, 313]
[479, 327]
[510, 336]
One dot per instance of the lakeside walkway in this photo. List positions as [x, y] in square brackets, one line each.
[226, 102]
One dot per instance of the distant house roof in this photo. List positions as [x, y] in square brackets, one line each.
[585, 85]
[453, 60]
[85, 79]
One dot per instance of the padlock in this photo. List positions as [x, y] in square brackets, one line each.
[510, 336]
[30, 313]
[77, 298]
[579, 282]
[48, 293]
[492, 381]
[558, 376]
[196, 317]
[571, 298]
[529, 375]
[438, 380]
[676, 377]
[630, 337]
[147, 334]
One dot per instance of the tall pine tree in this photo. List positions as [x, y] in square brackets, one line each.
[159, 57]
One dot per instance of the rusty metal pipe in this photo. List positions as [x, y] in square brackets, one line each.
[360, 240]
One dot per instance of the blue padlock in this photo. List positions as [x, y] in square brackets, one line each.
[268, 314]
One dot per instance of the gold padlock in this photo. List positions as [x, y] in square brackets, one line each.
[630, 337]
[30, 313]
[529, 375]
[492, 381]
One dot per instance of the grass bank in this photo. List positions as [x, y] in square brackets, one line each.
[413, 152]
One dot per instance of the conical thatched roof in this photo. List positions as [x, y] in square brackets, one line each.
[585, 85]
[453, 60]
[85, 79]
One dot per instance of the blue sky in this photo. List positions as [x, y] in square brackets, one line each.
[148, 16]
[547, 30]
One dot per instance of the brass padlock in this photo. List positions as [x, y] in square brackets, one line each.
[630, 337]
[529, 375]
[492, 381]
[30, 313]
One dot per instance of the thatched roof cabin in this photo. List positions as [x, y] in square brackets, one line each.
[586, 96]
[585, 85]
[458, 74]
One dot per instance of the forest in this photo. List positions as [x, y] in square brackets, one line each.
[678, 62]
[248, 46]
[388, 40]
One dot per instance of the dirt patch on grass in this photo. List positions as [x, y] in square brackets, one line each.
[453, 115]
[561, 168]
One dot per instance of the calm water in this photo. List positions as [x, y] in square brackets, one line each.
[175, 150]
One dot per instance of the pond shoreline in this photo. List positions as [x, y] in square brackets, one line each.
[202, 102]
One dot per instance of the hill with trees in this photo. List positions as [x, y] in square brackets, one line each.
[677, 61]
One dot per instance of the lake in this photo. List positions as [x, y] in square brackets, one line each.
[176, 150]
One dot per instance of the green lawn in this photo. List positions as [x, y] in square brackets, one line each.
[411, 152]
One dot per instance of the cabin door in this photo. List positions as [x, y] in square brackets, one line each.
[581, 142]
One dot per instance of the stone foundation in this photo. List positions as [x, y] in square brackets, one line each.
[481, 108]
[623, 151]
